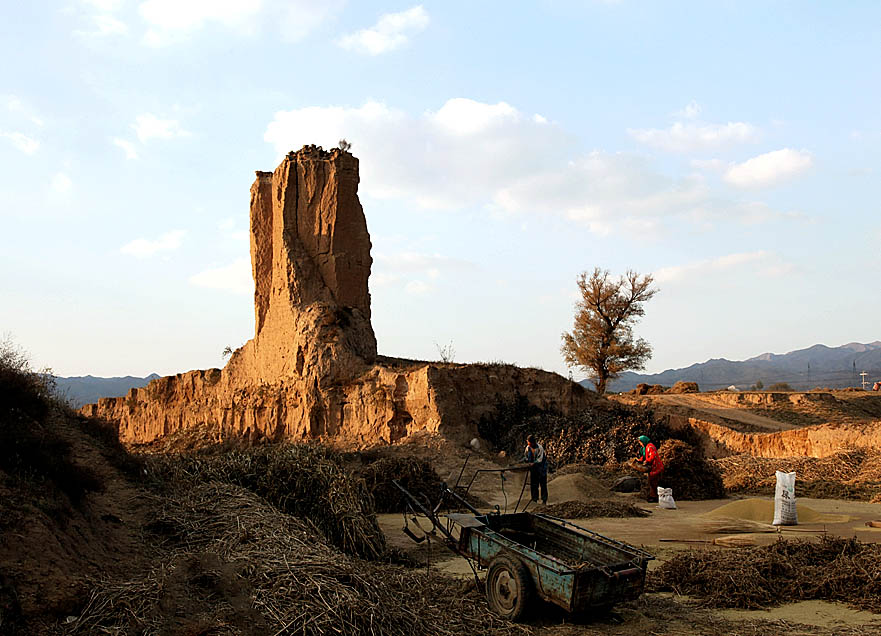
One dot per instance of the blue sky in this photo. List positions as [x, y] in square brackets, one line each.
[730, 148]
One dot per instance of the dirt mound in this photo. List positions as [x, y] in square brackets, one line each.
[577, 487]
[843, 570]
[684, 387]
[688, 473]
[593, 509]
[762, 510]
[852, 474]
[649, 389]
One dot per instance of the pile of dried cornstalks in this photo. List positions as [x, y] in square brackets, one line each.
[832, 569]
[851, 474]
[229, 563]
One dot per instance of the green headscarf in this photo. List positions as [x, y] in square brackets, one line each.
[640, 452]
[644, 439]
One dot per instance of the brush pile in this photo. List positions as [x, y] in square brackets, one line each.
[593, 509]
[850, 474]
[688, 473]
[416, 475]
[833, 569]
[229, 563]
[304, 480]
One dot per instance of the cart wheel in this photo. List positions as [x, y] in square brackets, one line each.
[508, 587]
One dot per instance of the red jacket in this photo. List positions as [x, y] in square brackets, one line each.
[652, 458]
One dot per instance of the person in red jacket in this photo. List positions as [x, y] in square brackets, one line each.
[654, 466]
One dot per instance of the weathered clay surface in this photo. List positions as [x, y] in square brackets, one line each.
[811, 441]
[312, 369]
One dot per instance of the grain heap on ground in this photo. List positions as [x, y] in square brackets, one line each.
[593, 509]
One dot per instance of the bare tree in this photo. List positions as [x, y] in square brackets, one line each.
[602, 340]
[446, 352]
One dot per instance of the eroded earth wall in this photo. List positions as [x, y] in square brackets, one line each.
[312, 368]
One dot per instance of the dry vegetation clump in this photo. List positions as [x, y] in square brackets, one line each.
[304, 480]
[833, 569]
[414, 474]
[36, 466]
[688, 473]
[592, 509]
[851, 474]
[233, 564]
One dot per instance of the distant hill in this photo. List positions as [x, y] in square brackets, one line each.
[817, 366]
[88, 389]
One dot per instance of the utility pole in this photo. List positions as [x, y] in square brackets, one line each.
[863, 376]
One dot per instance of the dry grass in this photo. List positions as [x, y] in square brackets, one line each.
[304, 480]
[851, 474]
[233, 564]
[832, 569]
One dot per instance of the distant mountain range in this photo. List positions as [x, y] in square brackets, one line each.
[83, 390]
[817, 366]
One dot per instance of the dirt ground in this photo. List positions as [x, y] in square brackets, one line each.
[661, 613]
[763, 412]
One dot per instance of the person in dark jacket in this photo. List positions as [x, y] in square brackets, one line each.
[648, 455]
[538, 469]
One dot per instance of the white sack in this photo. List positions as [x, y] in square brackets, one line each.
[665, 498]
[785, 513]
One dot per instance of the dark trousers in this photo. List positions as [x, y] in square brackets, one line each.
[538, 480]
[654, 479]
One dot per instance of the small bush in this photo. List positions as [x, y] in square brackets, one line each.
[780, 386]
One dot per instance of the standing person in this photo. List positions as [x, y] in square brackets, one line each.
[538, 469]
[648, 455]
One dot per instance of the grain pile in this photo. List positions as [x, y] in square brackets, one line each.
[593, 509]
[688, 473]
[577, 487]
[304, 480]
[832, 569]
[229, 563]
[851, 474]
[762, 511]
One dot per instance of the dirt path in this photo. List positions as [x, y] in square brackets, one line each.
[739, 419]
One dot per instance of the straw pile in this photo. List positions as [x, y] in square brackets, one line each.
[304, 480]
[851, 474]
[832, 569]
[416, 475]
[592, 509]
[236, 565]
[688, 473]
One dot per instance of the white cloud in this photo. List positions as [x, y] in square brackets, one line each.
[128, 147]
[708, 165]
[105, 25]
[473, 154]
[235, 277]
[149, 126]
[15, 105]
[143, 248]
[171, 21]
[392, 31]
[417, 288]
[21, 141]
[61, 183]
[729, 261]
[104, 5]
[769, 169]
[692, 110]
[693, 136]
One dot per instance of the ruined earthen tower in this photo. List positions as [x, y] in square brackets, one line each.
[312, 368]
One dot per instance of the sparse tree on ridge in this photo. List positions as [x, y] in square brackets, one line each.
[602, 340]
